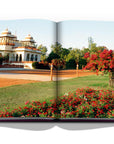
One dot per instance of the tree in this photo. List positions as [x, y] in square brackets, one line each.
[93, 46]
[57, 48]
[90, 42]
[43, 50]
[71, 64]
[101, 61]
[58, 63]
[74, 57]
[84, 50]
[74, 54]
[64, 53]
[52, 56]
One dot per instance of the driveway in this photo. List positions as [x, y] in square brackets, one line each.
[30, 77]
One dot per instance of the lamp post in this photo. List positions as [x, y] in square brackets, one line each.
[51, 72]
[82, 67]
[77, 70]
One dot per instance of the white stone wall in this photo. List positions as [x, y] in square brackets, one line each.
[26, 65]
[5, 47]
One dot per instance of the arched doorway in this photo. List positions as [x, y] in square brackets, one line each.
[35, 57]
[20, 58]
[16, 57]
[32, 57]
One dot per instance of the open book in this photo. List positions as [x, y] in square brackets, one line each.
[56, 71]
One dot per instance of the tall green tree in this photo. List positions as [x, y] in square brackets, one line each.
[74, 54]
[64, 53]
[92, 46]
[90, 42]
[52, 56]
[84, 50]
[56, 48]
[43, 50]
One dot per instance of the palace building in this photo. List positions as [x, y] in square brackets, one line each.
[22, 52]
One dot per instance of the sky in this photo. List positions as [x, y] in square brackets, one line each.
[75, 33]
[72, 33]
[43, 31]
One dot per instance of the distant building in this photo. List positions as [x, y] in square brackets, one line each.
[19, 52]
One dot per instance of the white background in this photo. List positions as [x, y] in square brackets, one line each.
[57, 10]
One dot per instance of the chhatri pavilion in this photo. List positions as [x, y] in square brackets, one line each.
[22, 52]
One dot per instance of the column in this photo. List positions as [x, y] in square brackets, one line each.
[15, 57]
[37, 57]
[18, 57]
[23, 56]
[30, 57]
[33, 57]
[10, 57]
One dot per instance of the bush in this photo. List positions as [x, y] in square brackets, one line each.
[71, 64]
[40, 65]
[58, 63]
[35, 65]
[1, 60]
[82, 62]
[84, 103]
[52, 56]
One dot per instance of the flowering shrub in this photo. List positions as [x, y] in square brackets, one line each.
[83, 103]
[58, 63]
[100, 61]
[87, 103]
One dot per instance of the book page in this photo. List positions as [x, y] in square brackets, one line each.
[27, 91]
[86, 70]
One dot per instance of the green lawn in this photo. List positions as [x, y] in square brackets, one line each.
[94, 81]
[14, 96]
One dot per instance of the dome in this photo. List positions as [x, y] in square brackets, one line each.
[29, 38]
[7, 32]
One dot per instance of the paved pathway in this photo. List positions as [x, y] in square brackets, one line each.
[29, 77]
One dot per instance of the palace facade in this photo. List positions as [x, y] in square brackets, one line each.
[22, 52]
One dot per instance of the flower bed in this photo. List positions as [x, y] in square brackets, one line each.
[83, 103]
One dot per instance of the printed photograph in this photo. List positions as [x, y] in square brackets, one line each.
[56, 70]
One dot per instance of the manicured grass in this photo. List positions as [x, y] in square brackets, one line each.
[93, 81]
[15, 96]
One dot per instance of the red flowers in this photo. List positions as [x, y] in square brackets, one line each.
[94, 57]
[100, 61]
[26, 102]
[83, 103]
[87, 55]
[57, 63]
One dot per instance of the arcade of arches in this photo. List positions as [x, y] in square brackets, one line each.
[28, 57]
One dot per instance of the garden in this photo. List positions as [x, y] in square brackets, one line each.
[83, 103]
[81, 97]
[92, 98]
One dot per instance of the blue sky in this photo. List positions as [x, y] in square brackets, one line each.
[41, 30]
[75, 33]
[72, 33]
